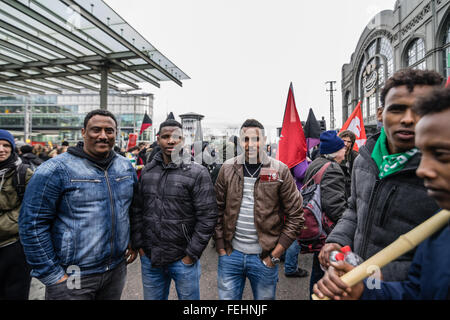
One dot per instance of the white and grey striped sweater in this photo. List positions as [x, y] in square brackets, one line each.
[246, 236]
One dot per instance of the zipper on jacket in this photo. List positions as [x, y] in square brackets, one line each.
[113, 215]
[86, 180]
[111, 201]
[369, 221]
[386, 206]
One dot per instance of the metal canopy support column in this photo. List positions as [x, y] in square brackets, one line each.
[104, 89]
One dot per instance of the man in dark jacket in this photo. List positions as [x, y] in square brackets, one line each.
[14, 270]
[387, 199]
[428, 276]
[173, 218]
[28, 157]
[349, 139]
[333, 197]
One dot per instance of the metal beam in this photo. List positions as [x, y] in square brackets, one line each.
[122, 80]
[40, 86]
[6, 93]
[99, 24]
[59, 85]
[22, 93]
[23, 51]
[104, 89]
[15, 86]
[78, 83]
[147, 79]
[10, 60]
[67, 62]
[42, 19]
[36, 40]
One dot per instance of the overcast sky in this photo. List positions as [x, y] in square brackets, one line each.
[242, 55]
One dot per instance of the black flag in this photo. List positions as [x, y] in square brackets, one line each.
[312, 131]
[146, 123]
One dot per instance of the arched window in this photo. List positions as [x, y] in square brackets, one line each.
[447, 49]
[415, 57]
[374, 70]
[386, 51]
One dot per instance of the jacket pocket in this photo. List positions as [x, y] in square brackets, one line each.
[122, 178]
[86, 180]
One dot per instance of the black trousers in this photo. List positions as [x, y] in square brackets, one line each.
[15, 276]
[104, 286]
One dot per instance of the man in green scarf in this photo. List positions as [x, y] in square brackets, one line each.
[387, 198]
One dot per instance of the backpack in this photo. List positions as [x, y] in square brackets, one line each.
[317, 225]
[19, 180]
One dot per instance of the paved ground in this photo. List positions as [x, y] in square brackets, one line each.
[287, 289]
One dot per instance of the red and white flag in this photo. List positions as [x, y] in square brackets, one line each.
[355, 124]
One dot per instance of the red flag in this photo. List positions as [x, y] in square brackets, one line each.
[132, 140]
[292, 146]
[355, 124]
[447, 85]
[146, 123]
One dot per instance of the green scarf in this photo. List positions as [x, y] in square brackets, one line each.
[389, 163]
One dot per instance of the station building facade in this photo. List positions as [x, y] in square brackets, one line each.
[415, 34]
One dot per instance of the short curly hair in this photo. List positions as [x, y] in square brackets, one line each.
[437, 101]
[98, 112]
[411, 78]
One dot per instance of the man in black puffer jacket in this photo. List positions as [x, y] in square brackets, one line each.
[172, 219]
[387, 198]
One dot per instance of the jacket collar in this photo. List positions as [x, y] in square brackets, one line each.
[158, 159]
[367, 149]
[240, 160]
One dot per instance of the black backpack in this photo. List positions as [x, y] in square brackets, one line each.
[19, 180]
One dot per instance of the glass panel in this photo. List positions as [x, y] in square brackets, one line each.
[416, 52]
[372, 49]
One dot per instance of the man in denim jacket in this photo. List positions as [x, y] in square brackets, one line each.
[74, 223]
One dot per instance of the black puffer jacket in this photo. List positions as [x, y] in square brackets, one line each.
[381, 210]
[174, 211]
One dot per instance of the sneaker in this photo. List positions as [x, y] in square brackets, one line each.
[300, 273]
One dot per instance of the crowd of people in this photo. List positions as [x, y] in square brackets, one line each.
[76, 216]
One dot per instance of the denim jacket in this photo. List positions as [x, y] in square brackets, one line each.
[75, 214]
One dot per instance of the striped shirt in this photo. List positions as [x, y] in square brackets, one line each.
[246, 237]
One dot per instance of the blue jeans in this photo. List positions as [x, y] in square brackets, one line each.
[235, 268]
[291, 260]
[156, 281]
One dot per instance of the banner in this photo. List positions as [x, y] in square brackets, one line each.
[356, 124]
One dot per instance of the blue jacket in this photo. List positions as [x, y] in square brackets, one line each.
[75, 213]
[429, 274]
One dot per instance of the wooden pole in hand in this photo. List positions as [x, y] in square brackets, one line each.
[398, 248]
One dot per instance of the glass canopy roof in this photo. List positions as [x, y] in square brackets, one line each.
[50, 45]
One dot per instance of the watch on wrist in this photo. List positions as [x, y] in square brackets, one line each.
[274, 260]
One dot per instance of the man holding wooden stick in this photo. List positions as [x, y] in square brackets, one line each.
[428, 276]
[387, 198]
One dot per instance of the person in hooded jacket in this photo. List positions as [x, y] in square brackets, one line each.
[28, 157]
[14, 271]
